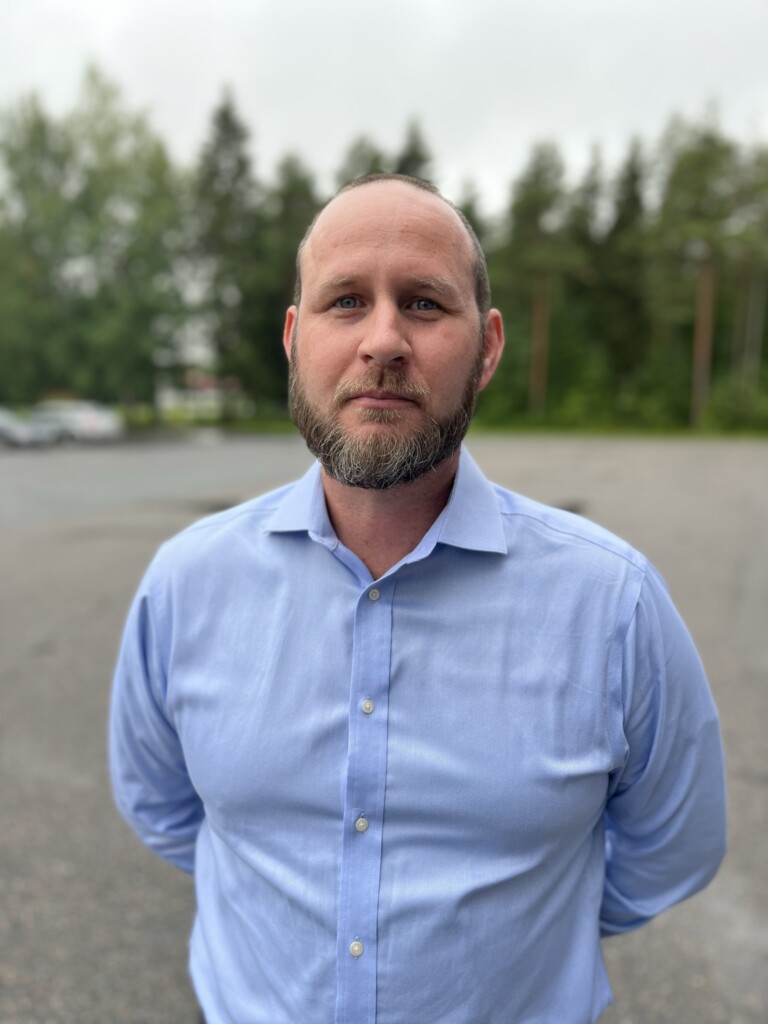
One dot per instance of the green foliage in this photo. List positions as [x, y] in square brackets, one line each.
[734, 407]
[363, 157]
[226, 238]
[87, 221]
[469, 204]
[633, 299]
[414, 158]
[289, 206]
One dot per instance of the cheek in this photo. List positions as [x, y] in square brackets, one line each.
[448, 382]
[327, 375]
[321, 377]
[320, 362]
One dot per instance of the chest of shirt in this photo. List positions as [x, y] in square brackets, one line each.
[492, 695]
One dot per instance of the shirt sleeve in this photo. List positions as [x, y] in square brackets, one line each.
[666, 814]
[151, 786]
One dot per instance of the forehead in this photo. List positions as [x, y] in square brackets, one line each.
[386, 225]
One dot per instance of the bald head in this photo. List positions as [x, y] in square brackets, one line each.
[386, 183]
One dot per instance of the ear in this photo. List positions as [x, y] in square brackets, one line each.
[493, 346]
[291, 317]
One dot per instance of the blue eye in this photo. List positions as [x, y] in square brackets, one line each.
[424, 305]
[347, 302]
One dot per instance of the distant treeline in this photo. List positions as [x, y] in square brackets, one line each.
[634, 298]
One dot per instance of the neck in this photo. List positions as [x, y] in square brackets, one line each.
[381, 527]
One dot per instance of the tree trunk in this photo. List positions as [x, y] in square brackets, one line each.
[540, 316]
[702, 340]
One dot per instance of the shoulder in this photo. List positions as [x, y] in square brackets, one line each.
[577, 569]
[219, 539]
[544, 527]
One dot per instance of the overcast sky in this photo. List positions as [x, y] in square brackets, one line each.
[485, 78]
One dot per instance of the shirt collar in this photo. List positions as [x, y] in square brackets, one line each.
[303, 509]
[471, 519]
[472, 515]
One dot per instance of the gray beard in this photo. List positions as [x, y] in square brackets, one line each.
[380, 460]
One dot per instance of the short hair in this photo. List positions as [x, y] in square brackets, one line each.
[479, 264]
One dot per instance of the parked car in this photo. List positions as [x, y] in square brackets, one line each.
[79, 421]
[19, 433]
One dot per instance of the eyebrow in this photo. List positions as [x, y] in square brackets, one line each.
[437, 285]
[346, 281]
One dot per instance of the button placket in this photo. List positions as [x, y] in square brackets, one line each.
[364, 808]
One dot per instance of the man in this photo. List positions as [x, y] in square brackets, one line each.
[421, 740]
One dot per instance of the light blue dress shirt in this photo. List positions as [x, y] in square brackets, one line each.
[419, 799]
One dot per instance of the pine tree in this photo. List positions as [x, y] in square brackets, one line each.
[535, 255]
[414, 158]
[363, 157]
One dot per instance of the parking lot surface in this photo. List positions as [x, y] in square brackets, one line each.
[93, 928]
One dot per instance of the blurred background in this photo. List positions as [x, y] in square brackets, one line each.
[158, 164]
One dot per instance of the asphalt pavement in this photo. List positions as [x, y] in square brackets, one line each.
[93, 928]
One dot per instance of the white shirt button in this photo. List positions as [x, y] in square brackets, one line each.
[361, 824]
[367, 707]
[356, 948]
[374, 594]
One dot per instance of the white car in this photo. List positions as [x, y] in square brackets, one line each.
[79, 421]
[19, 433]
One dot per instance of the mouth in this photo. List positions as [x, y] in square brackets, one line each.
[381, 391]
[376, 399]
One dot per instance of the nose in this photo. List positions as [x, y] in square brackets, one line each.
[385, 338]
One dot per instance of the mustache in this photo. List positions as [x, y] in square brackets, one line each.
[394, 382]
